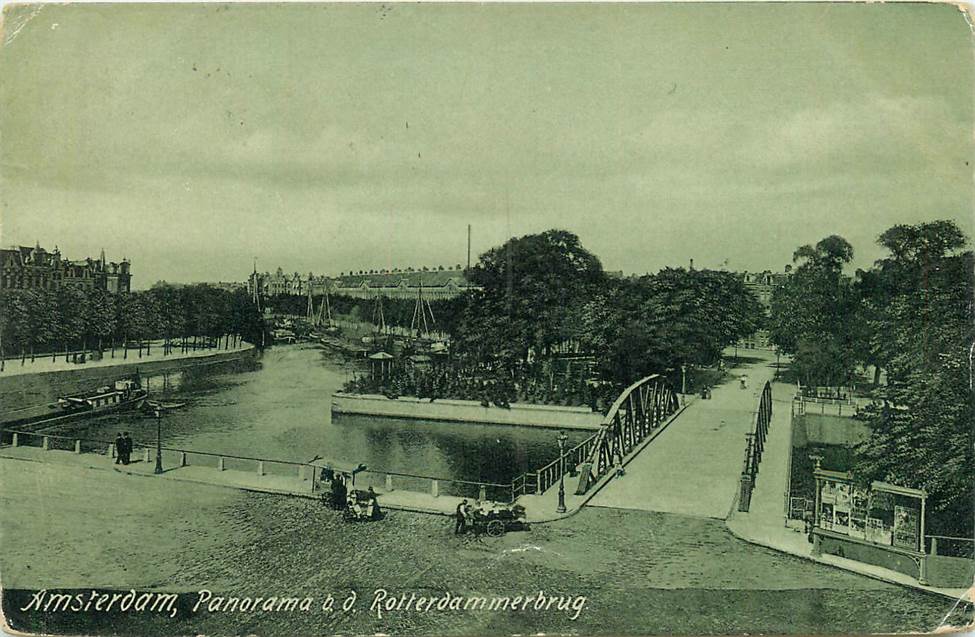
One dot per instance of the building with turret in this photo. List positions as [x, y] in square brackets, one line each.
[762, 285]
[25, 268]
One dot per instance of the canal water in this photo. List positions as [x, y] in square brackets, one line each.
[280, 409]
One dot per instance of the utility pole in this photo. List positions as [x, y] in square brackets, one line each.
[468, 246]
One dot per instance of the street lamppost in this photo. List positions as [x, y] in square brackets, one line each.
[683, 382]
[159, 467]
[562, 438]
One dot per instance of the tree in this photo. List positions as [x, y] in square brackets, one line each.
[73, 307]
[662, 321]
[921, 326]
[530, 287]
[812, 315]
[101, 317]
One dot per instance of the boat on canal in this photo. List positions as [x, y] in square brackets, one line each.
[123, 394]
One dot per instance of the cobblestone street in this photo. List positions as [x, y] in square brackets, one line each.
[660, 572]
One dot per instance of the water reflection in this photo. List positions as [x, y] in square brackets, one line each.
[281, 410]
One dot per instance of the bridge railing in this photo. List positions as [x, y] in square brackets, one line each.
[754, 446]
[551, 473]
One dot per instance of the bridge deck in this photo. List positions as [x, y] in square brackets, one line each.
[693, 467]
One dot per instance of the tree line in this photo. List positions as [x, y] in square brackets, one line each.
[34, 321]
[543, 291]
[542, 294]
[909, 318]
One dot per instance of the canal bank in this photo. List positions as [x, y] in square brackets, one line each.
[38, 385]
[280, 409]
[466, 411]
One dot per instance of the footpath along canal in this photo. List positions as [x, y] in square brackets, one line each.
[280, 410]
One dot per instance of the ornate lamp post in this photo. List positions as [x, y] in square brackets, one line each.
[159, 467]
[561, 438]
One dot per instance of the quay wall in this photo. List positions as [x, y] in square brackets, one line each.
[21, 392]
[467, 411]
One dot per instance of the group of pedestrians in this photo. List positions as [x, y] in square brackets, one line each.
[123, 448]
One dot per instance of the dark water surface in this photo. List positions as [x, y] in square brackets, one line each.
[282, 411]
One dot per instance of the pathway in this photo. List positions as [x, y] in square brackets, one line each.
[41, 365]
[765, 522]
[693, 467]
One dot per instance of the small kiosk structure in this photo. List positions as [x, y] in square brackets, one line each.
[381, 365]
[882, 524]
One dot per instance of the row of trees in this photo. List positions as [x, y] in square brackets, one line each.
[539, 292]
[47, 321]
[911, 318]
[543, 293]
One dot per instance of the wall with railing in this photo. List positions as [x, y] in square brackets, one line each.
[845, 408]
[754, 446]
[306, 475]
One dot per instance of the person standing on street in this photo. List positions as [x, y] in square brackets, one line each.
[460, 525]
[126, 448]
[119, 448]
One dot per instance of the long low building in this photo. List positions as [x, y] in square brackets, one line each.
[432, 284]
[392, 284]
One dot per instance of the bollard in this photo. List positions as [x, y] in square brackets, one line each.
[77, 446]
[482, 493]
[817, 549]
[435, 488]
[260, 467]
[146, 455]
[389, 482]
[182, 458]
[44, 444]
[220, 464]
[15, 440]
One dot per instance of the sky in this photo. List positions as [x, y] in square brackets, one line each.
[193, 139]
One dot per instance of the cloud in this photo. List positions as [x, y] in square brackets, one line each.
[873, 132]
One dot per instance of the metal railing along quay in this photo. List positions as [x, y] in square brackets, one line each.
[175, 458]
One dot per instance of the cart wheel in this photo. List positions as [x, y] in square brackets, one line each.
[495, 528]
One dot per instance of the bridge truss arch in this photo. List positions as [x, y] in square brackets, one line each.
[636, 414]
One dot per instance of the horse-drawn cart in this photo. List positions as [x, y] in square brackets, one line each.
[496, 522]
